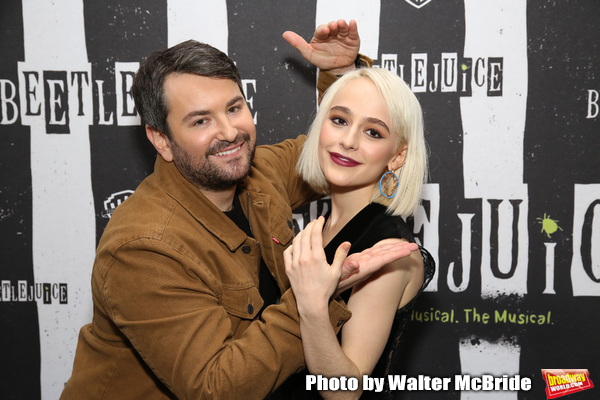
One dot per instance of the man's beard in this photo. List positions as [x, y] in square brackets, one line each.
[204, 174]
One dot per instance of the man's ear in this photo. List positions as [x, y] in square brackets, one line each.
[161, 143]
[398, 159]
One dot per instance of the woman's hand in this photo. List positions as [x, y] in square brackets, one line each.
[358, 267]
[312, 278]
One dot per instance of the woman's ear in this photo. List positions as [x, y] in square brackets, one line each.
[398, 159]
[161, 143]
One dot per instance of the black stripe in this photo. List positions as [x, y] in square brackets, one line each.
[119, 31]
[285, 82]
[20, 366]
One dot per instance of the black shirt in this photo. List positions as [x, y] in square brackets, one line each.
[267, 286]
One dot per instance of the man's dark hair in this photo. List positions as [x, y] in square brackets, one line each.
[189, 57]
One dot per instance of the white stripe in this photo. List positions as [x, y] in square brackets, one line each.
[364, 12]
[494, 126]
[62, 207]
[205, 21]
[494, 133]
[479, 357]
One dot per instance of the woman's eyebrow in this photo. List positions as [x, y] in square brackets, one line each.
[343, 109]
[371, 120]
[377, 121]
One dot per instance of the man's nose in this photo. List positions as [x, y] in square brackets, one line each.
[227, 130]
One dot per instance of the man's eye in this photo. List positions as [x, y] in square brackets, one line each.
[200, 122]
[234, 109]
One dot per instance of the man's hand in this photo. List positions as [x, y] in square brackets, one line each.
[359, 266]
[333, 48]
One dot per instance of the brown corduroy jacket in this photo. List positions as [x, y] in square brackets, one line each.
[175, 290]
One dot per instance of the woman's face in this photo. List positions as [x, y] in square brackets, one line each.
[356, 144]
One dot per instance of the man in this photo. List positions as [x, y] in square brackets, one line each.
[187, 266]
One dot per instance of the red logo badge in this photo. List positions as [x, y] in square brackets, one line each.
[560, 382]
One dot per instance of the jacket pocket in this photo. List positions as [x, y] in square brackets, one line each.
[243, 303]
[282, 226]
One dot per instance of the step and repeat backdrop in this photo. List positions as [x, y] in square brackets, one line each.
[510, 92]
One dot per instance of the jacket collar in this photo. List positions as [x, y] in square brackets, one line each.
[197, 204]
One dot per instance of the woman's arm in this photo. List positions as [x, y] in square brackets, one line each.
[314, 281]
[373, 303]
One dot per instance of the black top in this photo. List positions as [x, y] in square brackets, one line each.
[371, 225]
[267, 286]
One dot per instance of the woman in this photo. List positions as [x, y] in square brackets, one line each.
[366, 149]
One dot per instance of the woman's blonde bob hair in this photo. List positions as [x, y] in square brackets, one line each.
[406, 122]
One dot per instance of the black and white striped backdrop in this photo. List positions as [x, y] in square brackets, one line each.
[510, 91]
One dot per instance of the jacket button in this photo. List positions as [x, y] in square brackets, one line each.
[246, 249]
[340, 322]
[250, 309]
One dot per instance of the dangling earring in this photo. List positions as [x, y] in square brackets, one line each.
[387, 185]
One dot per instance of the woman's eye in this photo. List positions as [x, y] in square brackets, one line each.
[373, 133]
[200, 122]
[338, 120]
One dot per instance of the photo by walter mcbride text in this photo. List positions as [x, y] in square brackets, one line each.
[421, 383]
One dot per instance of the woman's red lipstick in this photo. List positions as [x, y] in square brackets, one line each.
[343, 160]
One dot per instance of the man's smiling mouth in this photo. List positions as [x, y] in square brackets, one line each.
[228, 152]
